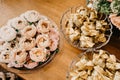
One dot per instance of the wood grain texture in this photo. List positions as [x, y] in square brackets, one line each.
[58, 67]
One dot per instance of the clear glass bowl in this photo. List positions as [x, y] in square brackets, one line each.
[66, 16]
[88, 54]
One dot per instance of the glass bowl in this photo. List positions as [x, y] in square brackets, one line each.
[64, 20]
[89, 55]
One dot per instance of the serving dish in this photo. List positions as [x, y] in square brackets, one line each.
[94, 65]
[75, 12]
[28, 41]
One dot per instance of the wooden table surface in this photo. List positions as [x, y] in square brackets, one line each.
[57, 68]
